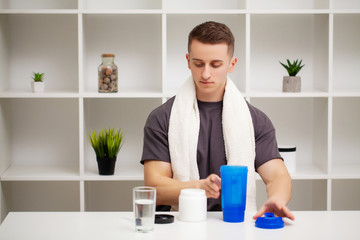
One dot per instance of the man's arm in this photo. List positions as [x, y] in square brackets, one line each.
[278, 187]
[159, 174]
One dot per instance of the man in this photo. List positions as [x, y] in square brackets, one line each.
[186, 141]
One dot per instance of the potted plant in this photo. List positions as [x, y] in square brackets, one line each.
[38, 85]
[106, 144]
[292, 83]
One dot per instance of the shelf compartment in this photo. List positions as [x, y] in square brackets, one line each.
[123, 172]
[5, 135]
[280, 94]
[38, 4]
[26, 196]
[110, 195]
[307, 195]
[346, 53]
[36, 43]
[301, 122]
[128, 114]
[203, 4]
[346, 170]
[47, 94]
[41, 173]
[345, 195]
[308, 172]
[305, 172]
[346, 4]
[178, 29]
[308, 41]
[124, 94]
[137, 49]
[285, 5]
[345, 140]
[41, 133]
[123, 4]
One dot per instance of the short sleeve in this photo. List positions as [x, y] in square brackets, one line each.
[266, 147]
[156, 145]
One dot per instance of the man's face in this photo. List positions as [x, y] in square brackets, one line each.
[209, 65]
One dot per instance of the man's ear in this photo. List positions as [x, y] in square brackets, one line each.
[188, 60]
[232, 64]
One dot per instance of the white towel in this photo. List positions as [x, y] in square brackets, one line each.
[238, 134]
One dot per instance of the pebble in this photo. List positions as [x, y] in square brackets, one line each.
[108, 78]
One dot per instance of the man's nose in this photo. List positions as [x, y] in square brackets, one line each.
[206, 73]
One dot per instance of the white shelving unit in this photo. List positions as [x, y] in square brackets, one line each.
[46, 162]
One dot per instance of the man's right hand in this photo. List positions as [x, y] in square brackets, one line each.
[211, 185]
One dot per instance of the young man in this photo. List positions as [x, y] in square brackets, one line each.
[209, 124]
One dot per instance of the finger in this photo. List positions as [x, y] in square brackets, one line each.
[215, 195]
[283, 211]
[261, 212]
[212, 194]
[212, 183]
[216, 179]
[288, 214]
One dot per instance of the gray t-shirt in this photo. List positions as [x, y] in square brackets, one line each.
[211, 147]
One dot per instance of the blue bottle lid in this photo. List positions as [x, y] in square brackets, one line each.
[269, 221]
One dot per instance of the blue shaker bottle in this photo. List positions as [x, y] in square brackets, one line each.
[233, 192]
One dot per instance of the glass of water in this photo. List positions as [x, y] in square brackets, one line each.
[144, 199]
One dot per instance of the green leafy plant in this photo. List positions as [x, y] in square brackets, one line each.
[107, 142]
[293, 68]
[38, 77]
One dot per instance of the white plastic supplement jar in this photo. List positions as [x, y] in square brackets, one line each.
[192, 205]
[288, 152]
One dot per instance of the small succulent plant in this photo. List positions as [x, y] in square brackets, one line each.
[293, 68]
[107, 142]
[38, 77]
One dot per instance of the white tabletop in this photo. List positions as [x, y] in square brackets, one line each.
[120, 225]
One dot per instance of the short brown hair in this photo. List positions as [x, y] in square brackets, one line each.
[212, 33]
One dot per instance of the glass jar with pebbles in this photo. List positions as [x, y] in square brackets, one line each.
[108, 74]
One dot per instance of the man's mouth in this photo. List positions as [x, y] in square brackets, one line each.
[206, 82]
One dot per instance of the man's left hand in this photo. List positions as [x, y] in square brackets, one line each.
[277, 207]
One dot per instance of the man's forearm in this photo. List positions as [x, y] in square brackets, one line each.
[159, 175]
[280, 188]
[168, 189]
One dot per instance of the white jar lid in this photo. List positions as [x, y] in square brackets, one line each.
[192, 192]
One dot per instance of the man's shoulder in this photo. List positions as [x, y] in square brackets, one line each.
[254, 111]
[159, 118]
[260, 120]
[164, 109]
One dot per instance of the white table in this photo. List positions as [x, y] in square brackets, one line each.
[120, 225]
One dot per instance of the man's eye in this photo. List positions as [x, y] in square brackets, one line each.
[216, 65]
[198, 64]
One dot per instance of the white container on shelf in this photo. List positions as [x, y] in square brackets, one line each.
[288, 152]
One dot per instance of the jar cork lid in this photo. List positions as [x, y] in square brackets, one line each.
[107, 55]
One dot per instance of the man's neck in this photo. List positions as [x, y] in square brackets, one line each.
[210, 97]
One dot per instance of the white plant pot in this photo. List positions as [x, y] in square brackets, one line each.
[291, 84]
[37, 87]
